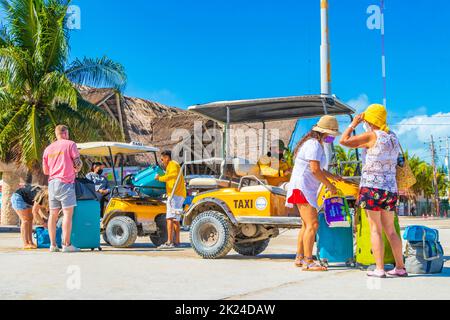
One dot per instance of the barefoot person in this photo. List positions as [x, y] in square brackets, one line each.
[378, 189]
[61, 162]
[307, 175]
[27, 202]
[174, 204]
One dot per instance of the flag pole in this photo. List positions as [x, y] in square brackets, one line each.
[383, 55]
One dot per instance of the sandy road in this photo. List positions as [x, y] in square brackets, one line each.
[144, 272]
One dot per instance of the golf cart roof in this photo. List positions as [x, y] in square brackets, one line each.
[273, 109]
[105, 149]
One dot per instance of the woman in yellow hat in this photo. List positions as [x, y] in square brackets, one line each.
[307, 175]
[378, 188]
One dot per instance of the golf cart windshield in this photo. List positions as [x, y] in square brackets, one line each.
[112, 149]
[272, 109]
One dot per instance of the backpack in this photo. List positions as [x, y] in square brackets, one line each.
[424, 253]
[85, 189]
[43, 239]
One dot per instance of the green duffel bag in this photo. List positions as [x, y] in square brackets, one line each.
[423, 257]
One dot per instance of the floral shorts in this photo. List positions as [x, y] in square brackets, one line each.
[377, 199]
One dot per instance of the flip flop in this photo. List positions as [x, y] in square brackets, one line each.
[299, 262]
[314, 266]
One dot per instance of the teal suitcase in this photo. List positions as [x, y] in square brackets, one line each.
[334, 245]
[86, 225]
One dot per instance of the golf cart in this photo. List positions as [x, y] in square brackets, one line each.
[136, 207]
[248, 213]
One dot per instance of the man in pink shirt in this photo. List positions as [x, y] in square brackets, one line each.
[61, 162]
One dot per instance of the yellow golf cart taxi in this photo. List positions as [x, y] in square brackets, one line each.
[248, 213]
[130, 212]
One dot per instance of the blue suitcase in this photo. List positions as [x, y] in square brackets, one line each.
[334, 245]
[86, 225]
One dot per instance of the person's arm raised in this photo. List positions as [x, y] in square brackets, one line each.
[364, 140]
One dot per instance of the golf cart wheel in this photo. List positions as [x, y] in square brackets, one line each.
[212, 235]
[121, 232]
[105, 238]
[251, 248]
[160, 237]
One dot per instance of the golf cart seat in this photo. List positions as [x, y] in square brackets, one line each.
[211, 183]
[243, 167]
[264, 188]
[203, 182]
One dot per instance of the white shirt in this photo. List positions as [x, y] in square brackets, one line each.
[302, 178]
[380, 163]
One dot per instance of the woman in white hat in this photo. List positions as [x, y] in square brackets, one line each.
[307, 175]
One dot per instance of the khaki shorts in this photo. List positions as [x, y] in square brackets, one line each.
[61, 195]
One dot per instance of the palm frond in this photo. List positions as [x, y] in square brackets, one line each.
[5, 39]
[33, 139]
[22, 16]
[16, 62]
[53, 48]
[101, 73]
[10, 132]
[56, 89]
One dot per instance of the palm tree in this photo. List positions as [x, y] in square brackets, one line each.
[345, 156]
[39, 88]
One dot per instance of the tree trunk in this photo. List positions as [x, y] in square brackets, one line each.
[11, 182]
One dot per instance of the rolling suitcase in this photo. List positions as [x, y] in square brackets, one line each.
[334, 245]
[364, 255]
[86, 225]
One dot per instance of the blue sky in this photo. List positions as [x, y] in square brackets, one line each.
[186, 52]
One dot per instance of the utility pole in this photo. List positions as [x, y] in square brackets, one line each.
[435, 181]
[447, 160]
[325, 62]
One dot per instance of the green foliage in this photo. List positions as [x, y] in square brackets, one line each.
[341, 157]
[38, 87]
[423, 172]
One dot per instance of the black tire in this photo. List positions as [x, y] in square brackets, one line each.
[212, 235]
[160, 237]
[121, 232]
[105, 238]
[251, 248]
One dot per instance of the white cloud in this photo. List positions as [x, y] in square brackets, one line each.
[415, 132]
[360, 103]
[413, 127]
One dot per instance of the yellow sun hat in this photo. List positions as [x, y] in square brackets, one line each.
[376, 114]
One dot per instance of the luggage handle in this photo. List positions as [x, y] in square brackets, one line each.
[425, 255]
